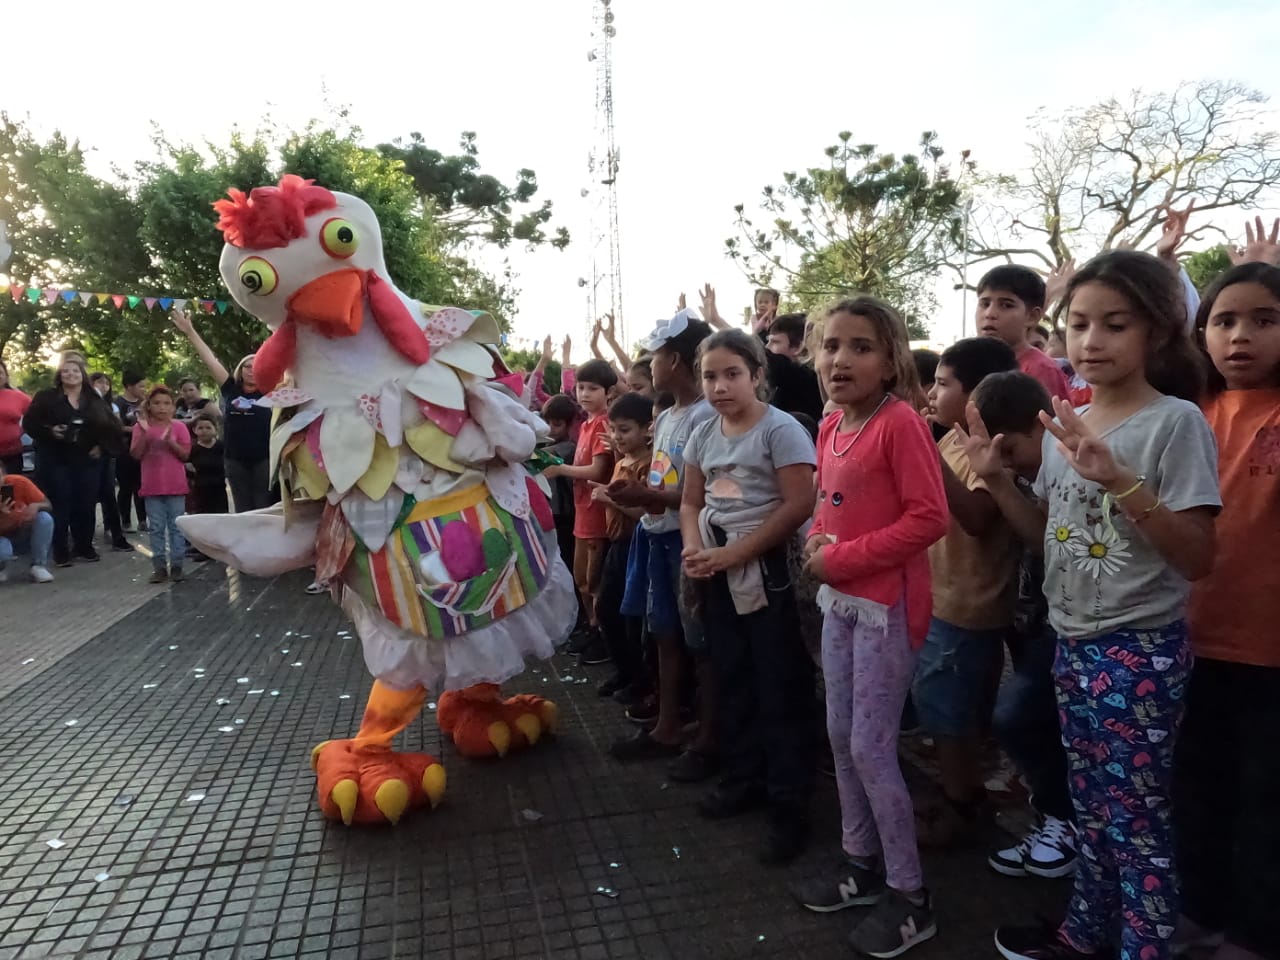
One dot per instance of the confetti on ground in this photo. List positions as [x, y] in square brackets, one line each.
[567, 679]
[173, 646]
[150, 686]
[533, 816]
[102, 877]
[284, 651]
[226, 729]
[615, 865]
[55, 844]
[242, 679]
[760, 939]
[197, 669]
[676, 851]
[222, 701]
[259, 690]
[28, 660]
[124, 799]
[344, 696]
[71, 723]
[275, 693]
[239, 721]
[195, 797]
[431, 705]
[609, 892]
[296, 663]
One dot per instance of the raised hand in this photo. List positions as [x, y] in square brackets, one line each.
[1086, 452]
[564, 351]
[181, 319]
[985, 452]
[1260, 247]
[1057, 281]
[708, 296]
[1173, 231]
[546, 351]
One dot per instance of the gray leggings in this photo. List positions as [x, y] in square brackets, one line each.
[250, 485]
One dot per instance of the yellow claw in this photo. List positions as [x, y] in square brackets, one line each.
[549, 713]
[344, 794]
[433, 782]
[392, 798]
[530, 726]
[315, 754]
[500, 737]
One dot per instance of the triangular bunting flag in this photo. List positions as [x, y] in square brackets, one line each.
[118, 300]
[206, 306]
[86, 297]
[17, 291]
[33, 294]
[165, 303]
[50, 294]
[102, 297]
[222, 306]
[133, 301]
[4, 288]
[150, 302]
[180, 304]
[68, 295]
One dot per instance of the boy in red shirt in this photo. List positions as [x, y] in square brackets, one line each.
[26, 525]
[1010, 304]
[592, 463]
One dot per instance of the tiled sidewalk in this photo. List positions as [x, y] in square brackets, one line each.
[190, 828]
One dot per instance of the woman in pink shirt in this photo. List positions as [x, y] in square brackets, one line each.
[881, 504]
[163, 444]
[13, 404]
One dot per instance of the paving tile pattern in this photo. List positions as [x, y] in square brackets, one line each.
[510, 866]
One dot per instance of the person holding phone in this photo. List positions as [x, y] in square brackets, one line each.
[72, 427]
[26, 525]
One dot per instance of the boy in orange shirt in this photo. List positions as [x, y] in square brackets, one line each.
[26, 525]
[592, 463]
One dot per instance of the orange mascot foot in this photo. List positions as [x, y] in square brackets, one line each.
[482, 724]
[363, 780]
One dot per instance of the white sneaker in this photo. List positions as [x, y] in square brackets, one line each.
[40, 574]
[1047, 851]
[4, 574]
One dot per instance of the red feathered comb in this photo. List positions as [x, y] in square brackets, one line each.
[271, 216]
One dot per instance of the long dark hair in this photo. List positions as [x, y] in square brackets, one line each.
[1260, 273]
[1174, 366]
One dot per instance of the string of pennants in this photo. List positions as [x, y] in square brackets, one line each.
[121, 301]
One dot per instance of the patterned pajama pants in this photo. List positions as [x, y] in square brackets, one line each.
[1120, 703]
[868, 672]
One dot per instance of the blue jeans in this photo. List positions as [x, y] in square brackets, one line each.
[951, 674]
[1026, 725]
[162, 524]
[34, 538]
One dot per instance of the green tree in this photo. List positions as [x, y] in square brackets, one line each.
[151, 233]
[1205, 266]
[526, 359]
[866, 222]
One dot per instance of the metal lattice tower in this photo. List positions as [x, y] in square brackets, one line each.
[605, 285]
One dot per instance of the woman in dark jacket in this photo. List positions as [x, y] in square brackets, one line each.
[72, 428]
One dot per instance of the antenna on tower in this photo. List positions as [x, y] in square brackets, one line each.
[602, 167]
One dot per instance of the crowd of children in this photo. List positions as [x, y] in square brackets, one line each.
[1099, 519]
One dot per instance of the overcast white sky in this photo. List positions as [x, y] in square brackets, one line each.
[712, 99]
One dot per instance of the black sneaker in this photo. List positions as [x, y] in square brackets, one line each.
[610, 686]
[724, 801]
[580, 638]
[641, 746]
[1036, 943]
[122, 546]
[644, 713]
[844, 885]
[594, 653]
[692, 766]
[786, 838]
[89, 556]
[894, 927]
[630, 695]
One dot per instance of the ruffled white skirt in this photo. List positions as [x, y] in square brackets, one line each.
[492, 654]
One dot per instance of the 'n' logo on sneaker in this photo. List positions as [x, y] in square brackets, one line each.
[908, 930]
[848, 889]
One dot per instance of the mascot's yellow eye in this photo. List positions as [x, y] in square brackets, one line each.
[258, 276]
[338, 237]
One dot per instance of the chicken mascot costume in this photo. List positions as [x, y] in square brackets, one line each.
[400, 446]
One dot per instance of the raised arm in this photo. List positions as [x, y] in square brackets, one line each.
[182, 320]
[610, 331]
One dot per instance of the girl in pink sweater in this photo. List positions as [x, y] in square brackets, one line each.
[163, 444]
[881, 504]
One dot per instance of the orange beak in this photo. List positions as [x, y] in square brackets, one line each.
[332, 304]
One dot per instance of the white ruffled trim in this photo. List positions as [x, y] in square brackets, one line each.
[492, 654]
[864, 611]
